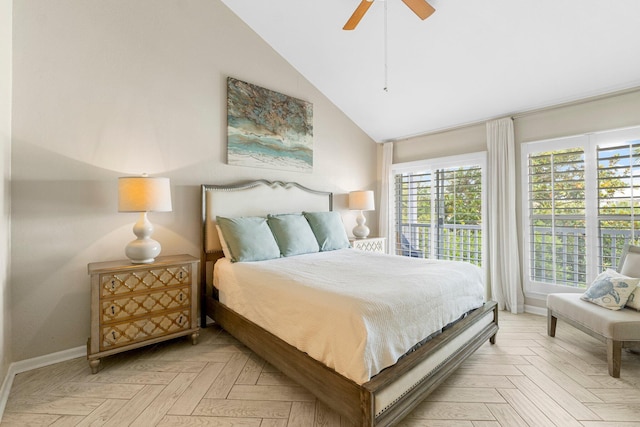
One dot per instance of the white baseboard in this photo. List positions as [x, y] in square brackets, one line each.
[540, 311]
[37, 362]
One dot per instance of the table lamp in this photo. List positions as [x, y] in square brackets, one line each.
[143, 194]
[361, 201]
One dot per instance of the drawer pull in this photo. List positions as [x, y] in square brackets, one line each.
[181, 296]
[113, 334]
[181, 274]
[113, 310]
[113, 284]
[180, 320]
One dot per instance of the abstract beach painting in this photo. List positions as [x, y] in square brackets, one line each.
[267, 129]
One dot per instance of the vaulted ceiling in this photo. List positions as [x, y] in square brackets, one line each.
[471, 60]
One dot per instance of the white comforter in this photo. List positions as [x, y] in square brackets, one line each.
[356, 312]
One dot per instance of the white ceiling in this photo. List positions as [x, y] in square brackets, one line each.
[470, 61]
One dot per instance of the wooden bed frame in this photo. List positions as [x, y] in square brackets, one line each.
[387, 397]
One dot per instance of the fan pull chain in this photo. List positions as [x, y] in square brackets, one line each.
[386, 53]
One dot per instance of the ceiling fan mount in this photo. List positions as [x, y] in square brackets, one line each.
[419, 7]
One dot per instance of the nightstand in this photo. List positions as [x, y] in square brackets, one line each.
[370, 244]
[133, 305]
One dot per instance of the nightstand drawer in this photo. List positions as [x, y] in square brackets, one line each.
[129, 306]
[120, 334]
[142, 280]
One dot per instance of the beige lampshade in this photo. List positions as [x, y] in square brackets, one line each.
[144, 194]
[361, 201]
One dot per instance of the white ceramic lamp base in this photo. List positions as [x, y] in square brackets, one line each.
[361, 231]
[144, 249]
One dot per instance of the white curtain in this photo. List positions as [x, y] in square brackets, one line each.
[384, 218]
[504, 258]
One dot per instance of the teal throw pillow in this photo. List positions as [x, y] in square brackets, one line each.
[248, 238]
[293, 234]
[328, 229]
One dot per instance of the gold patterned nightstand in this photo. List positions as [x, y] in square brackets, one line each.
[370, 244]
[133, 305]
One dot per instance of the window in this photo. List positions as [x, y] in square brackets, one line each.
[438, 208]
[581, 197]
[618, 200]
[557, 215]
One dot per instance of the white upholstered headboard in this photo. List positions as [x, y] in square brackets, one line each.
[256, 198]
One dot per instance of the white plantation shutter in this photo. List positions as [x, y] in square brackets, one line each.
[582, 205]
[557, 227]
[438, 213]
[618, 200]
[413, 214]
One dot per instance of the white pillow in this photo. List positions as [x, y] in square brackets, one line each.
[634, 300]
[631, 268]
[610, 290]
[223, 243]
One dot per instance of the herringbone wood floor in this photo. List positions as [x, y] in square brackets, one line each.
[526, 379]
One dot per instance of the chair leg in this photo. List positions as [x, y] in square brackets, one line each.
[551, 324]
[614, 357]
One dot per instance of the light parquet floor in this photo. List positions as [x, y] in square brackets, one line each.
[526, 379]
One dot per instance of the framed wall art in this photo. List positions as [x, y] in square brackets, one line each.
[267, 129]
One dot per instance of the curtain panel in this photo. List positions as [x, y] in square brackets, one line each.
[504, 253]
[385, 219]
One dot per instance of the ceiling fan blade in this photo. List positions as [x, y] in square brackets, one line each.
[420, 8]
[362, 8]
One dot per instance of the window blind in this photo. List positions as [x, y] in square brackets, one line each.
[556, 193]
[413, 214]
[618, 200]
[439, 214]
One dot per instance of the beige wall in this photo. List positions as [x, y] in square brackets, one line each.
[468, 139]
[611, 112]
[5, 172]
[106, 89]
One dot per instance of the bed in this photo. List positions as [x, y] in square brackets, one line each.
[395, 376]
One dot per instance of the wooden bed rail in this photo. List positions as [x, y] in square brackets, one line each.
[354, 401]
[207, 262]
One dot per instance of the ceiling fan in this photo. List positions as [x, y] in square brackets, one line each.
[419, 7]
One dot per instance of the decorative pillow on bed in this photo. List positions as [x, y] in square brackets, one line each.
[328, 229]
[610, 290]
[293, 234]
[223, 243]
[248, 238]
[631, 267]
